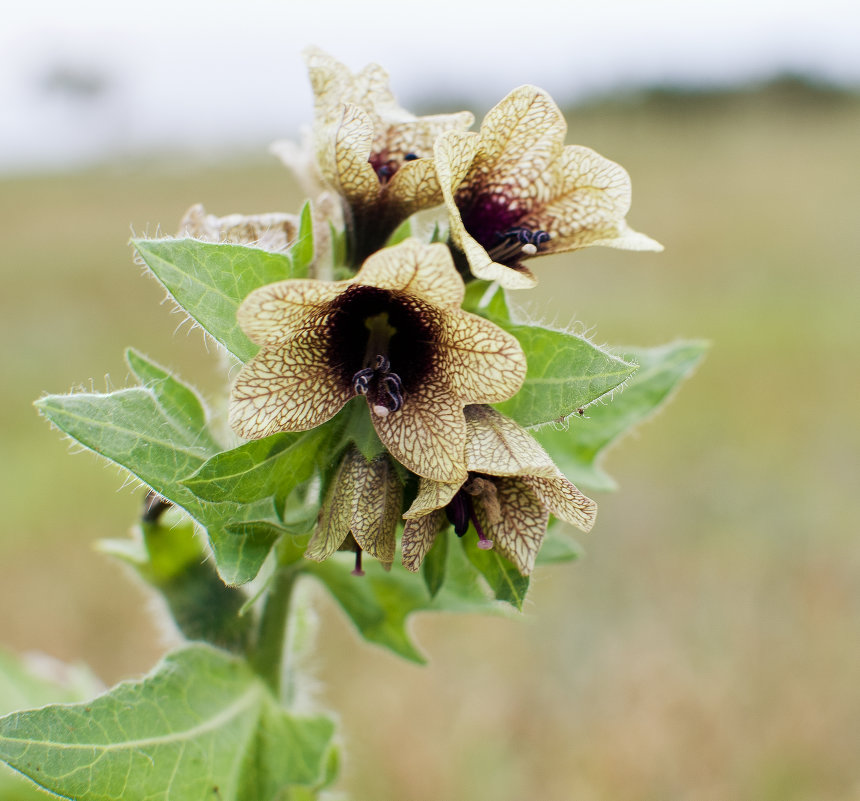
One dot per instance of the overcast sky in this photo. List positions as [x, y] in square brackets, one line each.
[82, 79]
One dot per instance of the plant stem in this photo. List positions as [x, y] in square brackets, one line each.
[267, 653]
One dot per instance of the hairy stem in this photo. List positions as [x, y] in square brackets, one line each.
[267, 653]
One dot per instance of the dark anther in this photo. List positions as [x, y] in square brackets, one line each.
[410, 157]
[524, 236]
[361, 380]
[383, 388]
[153, 507]
[394, 390]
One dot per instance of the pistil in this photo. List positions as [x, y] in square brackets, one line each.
[383, 387]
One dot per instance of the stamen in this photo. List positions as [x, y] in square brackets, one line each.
[410, 157]
[458, 512]
[387, 393]
[357, 571]
[516, 243]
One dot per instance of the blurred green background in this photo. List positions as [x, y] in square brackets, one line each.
[706, 647]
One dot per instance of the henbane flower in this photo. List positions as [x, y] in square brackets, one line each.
[375, 154]
[514, 191]
[272, 231]
[360, 510]
[394, 333]
[512, 487]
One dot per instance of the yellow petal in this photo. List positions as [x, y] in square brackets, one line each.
[428, 433]
[431, 495]
[564, 500]
[276, 312]
[484, 364]
[335, 516]
[376, 502]
[418, 537]
[416, 269]
[498, 446]
[286, 387]
[519, 533]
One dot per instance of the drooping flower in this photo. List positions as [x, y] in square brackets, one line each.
[360, 510]
[515, 191]
[511, 489]
[375, 154]
[394, 333]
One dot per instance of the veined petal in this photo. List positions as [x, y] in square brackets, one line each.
[564, 500]
[428, 433]
[520, 142]
[276, 312]
[519, 533]
[589, 206]
[418, 135]
[453, 155]
[335, 516]
[431, 495]
[484, 364]
[287, 387]
[498, 446]
[415, 268]
[418, 537]
[413, 187]
[376, 501]
[345, 163]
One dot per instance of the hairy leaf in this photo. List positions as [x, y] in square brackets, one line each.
[140, 429]
[209, 281]
[565, 372]
[504, 579]
[201, 726]
[578, 448]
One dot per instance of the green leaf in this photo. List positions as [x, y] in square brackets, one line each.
[210, 281]
[504, 579]
[160, 447]
[379, 603]
[433, 567]
[33, 682]
[261, 468]
[178, 401]
[201, 726]
[303, 250]
[565, 372]
[558, 547]
[403, 231]
[578, 450]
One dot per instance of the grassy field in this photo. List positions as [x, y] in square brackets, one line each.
[706, 647]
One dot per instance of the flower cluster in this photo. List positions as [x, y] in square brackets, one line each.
[394, 331]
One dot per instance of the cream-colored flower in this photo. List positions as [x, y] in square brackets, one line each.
[360, 510]
[512, 487]
[375, 154]
[394, 333]
[514, 191]
[273, 231]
